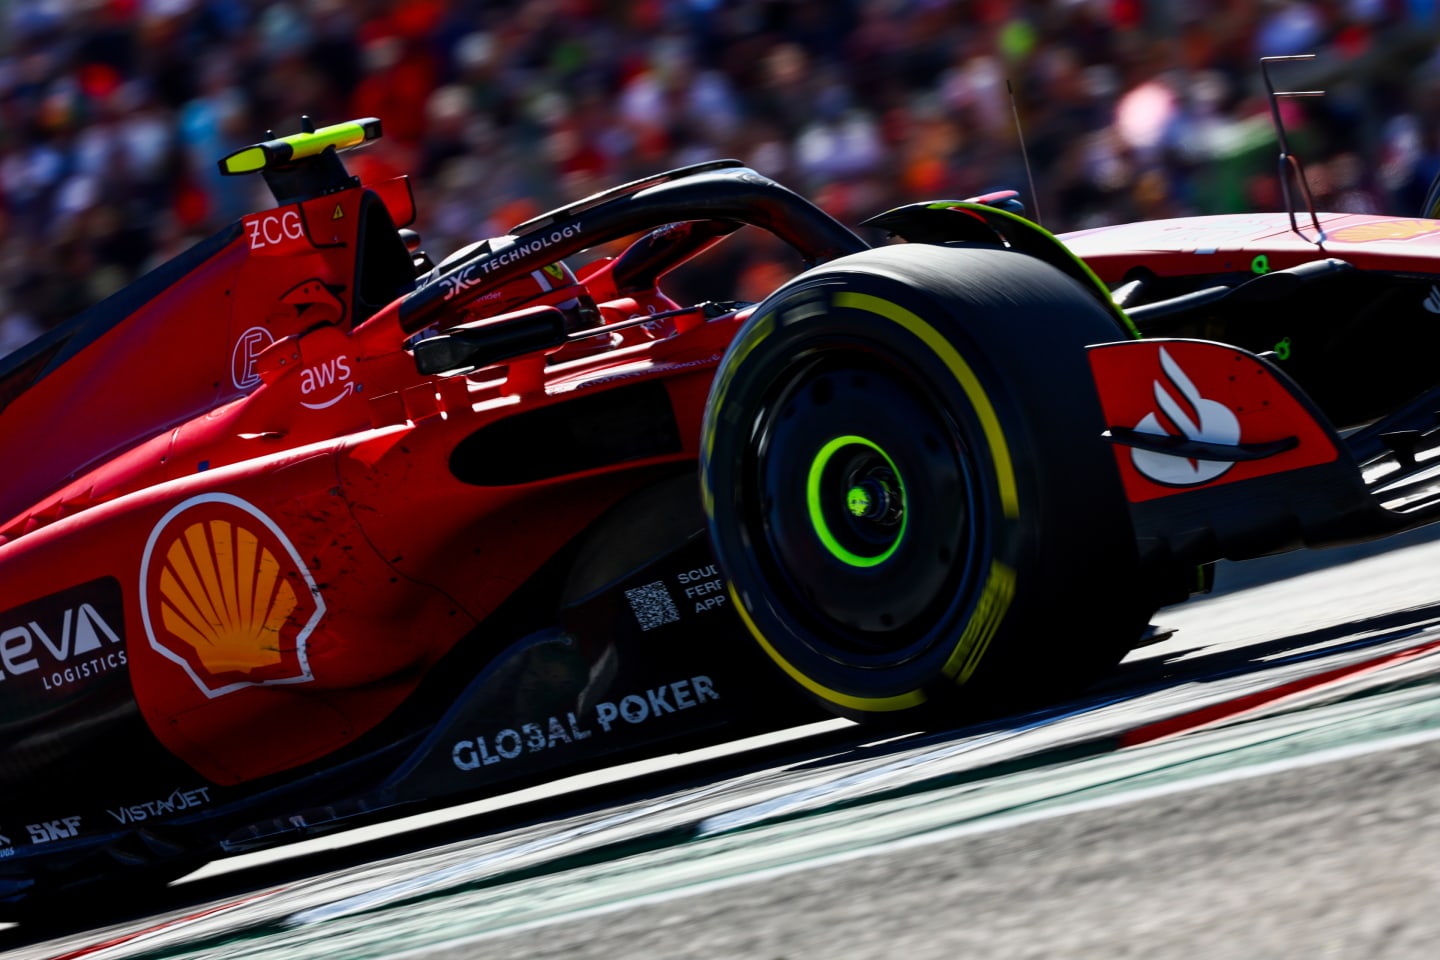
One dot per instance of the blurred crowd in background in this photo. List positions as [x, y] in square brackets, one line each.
[114, 112]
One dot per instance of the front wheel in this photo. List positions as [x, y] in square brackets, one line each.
[906, 486]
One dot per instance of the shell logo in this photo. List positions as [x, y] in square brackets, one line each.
[225, 595]
[1386, 230]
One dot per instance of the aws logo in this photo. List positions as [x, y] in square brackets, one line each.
[225, 595]
[326, 383]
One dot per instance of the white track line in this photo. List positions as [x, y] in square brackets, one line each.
[944, 834]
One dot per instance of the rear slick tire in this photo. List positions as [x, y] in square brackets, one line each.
[907, 489]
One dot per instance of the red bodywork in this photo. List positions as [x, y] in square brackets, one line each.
[1305, 423]
[262, 477]
[1199, 389]
[248, 531]
[1232, 242]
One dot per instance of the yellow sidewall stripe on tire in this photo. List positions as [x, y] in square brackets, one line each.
[989, 423]
[761, 328]
[989, 612]
[994, 597]
[758, 331]
[866, 704]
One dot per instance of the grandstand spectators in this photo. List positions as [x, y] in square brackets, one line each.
[113, 112]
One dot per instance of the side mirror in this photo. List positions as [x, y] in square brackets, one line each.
[491, 340]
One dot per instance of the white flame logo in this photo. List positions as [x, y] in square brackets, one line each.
[1212, 422]
[1432, 302]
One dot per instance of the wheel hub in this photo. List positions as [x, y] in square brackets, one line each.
[877, 498]
[856, 501]
[867, 505]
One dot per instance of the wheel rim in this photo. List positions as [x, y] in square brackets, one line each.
[855, 495]
[864, 502]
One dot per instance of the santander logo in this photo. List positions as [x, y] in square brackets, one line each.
[1193, 417]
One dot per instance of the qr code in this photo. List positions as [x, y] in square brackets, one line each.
[653, 605]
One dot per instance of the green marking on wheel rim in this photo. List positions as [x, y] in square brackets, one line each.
[858, 501]
[817, 513]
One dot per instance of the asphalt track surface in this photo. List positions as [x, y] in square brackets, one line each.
[1262, 784]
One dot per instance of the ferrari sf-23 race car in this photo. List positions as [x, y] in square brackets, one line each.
[302, 529]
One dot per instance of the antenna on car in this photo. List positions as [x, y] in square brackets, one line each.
[1289, 164]
[1024, 154]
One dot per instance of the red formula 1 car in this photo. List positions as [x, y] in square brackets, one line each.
[301, 528]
